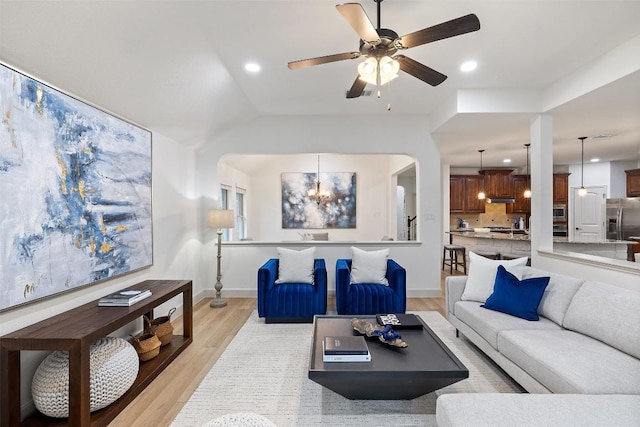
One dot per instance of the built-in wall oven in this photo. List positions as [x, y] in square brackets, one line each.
[559, 213]
[560, 230]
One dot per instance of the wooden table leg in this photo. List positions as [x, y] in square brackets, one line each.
[79, 384]
[187, 312]
[10, 388]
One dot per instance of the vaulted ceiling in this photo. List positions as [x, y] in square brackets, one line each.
[177, 67]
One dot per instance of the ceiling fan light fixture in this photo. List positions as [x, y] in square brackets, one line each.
[389, 68]
[368, 70]
[371, 69]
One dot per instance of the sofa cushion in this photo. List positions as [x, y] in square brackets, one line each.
[482, 275]
[608, 313]
[488, 323]
[568, 362]
[518, 298]
[557, 295]
[369, 266]
[295, 266]
[534, 410]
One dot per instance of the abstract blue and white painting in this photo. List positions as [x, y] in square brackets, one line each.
[302, 209]
[75, 192]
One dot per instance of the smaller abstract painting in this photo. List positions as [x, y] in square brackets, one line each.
[333, 207]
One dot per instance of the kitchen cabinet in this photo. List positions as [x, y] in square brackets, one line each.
[498, 183]
[463, 194]
[633, 182]
[456, 194]
[560, 188]
[522, 204]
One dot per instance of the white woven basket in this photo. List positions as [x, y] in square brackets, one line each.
[113, 369]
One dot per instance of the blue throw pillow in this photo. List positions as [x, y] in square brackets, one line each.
[518, 298]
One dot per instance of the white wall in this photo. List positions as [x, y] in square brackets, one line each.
[176, 251]
[595, 174]
[373, 205]
[350, 135]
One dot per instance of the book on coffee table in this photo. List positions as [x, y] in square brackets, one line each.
[345, 349]
[399, 321]
[124, 298]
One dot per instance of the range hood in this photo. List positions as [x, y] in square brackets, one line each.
[500, 200]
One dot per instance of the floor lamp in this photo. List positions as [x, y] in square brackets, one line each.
[219, 219]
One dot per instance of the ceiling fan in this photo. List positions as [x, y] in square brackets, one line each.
[379, 45]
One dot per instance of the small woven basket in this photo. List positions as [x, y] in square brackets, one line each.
[147, 345]
[162, 327]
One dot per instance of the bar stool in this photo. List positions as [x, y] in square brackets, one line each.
[454, 251]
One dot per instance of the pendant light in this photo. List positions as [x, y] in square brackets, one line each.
[481, 195]
[582, 191]
[527, 191]
[315, 193]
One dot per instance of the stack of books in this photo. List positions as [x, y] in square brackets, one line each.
[124, 298]
[399, 321]
[345, 349]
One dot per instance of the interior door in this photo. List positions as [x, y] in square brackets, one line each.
[588, 215]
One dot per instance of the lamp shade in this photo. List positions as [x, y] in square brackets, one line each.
[220, 218]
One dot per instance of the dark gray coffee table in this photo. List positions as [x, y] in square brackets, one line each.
[424, 366]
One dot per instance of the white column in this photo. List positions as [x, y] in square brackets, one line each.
[541, 184]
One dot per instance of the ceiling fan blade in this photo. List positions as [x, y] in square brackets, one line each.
[323, 60]
[455, 27]
[420, 71]
[359, 21]
[357, 88]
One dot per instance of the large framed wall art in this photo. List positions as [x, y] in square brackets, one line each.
[75, 192]
[333, 207]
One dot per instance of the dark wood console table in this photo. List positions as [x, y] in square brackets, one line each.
[74, 331]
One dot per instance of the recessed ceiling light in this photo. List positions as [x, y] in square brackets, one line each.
[468, 66]
[506, 161]
[252, 67]
[595, 160]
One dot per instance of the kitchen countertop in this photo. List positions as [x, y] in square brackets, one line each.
[525, 237]
[491, 235]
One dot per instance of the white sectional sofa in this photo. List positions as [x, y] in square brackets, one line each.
[585, 346]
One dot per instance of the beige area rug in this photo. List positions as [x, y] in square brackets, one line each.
[264, 371]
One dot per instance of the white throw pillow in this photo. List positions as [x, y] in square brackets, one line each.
[295, 266]
[369, 267]
[482, 275]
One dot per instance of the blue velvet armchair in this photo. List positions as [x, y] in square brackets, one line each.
[363, 299]
[291, 302]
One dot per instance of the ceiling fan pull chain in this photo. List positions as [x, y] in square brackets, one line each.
[389, 103]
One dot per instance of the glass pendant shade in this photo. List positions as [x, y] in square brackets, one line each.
[371, 69]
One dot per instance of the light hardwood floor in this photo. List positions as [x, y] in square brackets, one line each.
[213, 330]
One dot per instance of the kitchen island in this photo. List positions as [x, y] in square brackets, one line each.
[518, 245]
[509, 245]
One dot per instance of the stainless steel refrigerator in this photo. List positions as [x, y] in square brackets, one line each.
[623, 218]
